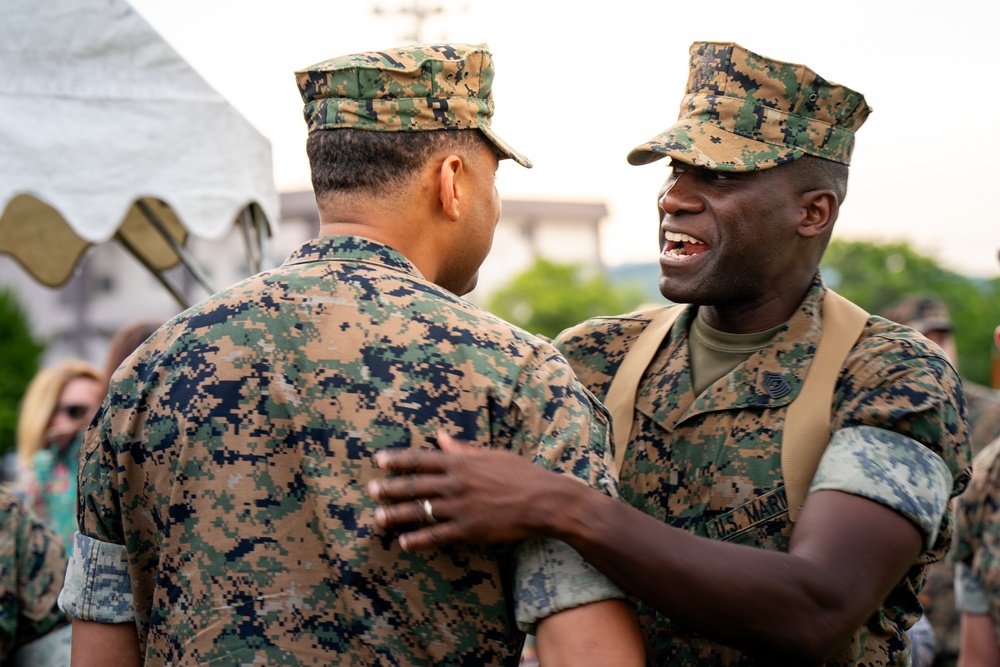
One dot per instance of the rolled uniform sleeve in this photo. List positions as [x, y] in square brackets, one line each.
[970, 598]
[97, 586]
[900, 432]
[564, 428]
[976, 551]
[891, 469]
[551, 577]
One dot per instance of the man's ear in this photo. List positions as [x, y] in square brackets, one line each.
[819, 211]
[450, 189]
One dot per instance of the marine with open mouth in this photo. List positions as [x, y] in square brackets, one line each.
[747, 541]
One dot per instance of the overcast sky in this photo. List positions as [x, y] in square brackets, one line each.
[577, 88]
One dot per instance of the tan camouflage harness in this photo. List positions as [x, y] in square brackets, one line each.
[807, 421]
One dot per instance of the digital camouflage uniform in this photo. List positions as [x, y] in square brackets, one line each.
[711, 464]
[223, 486]
[32, 567]
[976, 553]
[232, 454]
[984, 415]
[938, 594]
[926, 314]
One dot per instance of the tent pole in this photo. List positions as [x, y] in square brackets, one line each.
[156, 273]
[184, 256]
[256, 239]
[249, 240]
[263, 239]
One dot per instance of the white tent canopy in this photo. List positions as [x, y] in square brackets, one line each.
[106, 132]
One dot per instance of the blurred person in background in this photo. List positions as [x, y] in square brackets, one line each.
[976, 557]
[125, 341]
[33, 632]
[929, 315]
[57, 407]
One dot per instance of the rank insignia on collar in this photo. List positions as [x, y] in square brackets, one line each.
[776, 385]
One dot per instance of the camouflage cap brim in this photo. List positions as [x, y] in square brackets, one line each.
[923, 312]
[706, 145]
[505, 149]
[928, 325]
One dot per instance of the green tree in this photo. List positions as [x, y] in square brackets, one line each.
[21, 355]
[550, 297]
[875, 275]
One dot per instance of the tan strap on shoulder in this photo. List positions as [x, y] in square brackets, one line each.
[807, 421]
[620, 400]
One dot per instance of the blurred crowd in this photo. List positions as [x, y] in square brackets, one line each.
[38, 500]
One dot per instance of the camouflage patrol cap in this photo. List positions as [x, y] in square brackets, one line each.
[405, 89]
[743, 112]
[923, 313]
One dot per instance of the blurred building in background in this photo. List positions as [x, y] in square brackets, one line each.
[111, 289]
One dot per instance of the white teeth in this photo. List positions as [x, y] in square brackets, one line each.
[681, 238]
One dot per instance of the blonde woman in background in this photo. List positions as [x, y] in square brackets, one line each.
[57, 407]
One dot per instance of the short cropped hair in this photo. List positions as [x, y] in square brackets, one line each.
[373, 163]
[815, 173]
